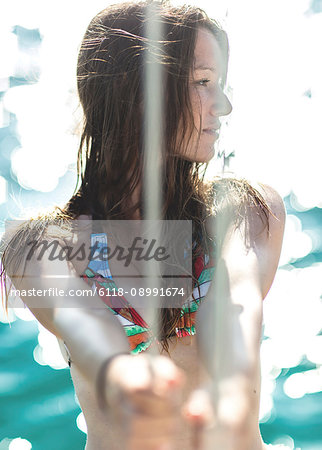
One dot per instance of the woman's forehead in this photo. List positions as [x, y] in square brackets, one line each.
[208, 54]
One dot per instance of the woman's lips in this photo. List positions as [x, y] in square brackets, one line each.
[211, 131]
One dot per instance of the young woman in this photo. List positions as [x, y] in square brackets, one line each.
[131, 398]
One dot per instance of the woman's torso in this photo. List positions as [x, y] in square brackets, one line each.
[101, 430]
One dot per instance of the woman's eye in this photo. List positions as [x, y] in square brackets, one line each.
[202, 82]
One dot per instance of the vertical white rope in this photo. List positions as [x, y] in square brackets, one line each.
[153, 140]
[152, 178]
[153, 114]
[215, 332]
[222, 338]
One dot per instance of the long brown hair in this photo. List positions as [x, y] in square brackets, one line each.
[110, 86]
[110, 75]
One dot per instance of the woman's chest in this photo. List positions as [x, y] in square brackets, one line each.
[184, 353]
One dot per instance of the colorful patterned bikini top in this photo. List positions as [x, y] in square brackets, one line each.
[140, 336]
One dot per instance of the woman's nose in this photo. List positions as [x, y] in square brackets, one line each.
[221, 105]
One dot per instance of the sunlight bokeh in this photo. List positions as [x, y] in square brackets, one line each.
[274, 133]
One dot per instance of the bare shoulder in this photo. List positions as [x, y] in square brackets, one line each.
[254, 235]
[26, 246]
[255, 210]
[28, 241]
[276, 209]
[273, 200]
[267, 240]
[38, 264]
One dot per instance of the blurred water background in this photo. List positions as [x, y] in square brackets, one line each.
[273, 135]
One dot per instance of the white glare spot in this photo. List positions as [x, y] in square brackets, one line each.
[37, 355]
[314, 350]
[294, 386]
[48, 351]
[31, 172]
[20, 444]
[283, 443]
[48, 147]
[296, 243]
[290, 338]
[299, 384]
[81, 424]
[24, 314]
[8, 53]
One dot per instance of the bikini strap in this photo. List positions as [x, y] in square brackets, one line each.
[99, 261]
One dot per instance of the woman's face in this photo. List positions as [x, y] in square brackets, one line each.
[208, 101]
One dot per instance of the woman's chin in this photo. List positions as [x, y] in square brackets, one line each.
[207, 158]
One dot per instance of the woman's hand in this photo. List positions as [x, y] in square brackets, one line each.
[144, 395]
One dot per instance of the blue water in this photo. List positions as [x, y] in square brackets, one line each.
[37, 403]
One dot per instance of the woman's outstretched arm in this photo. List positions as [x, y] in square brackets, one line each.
[230, 344]
[141, 392]
[90, 331]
